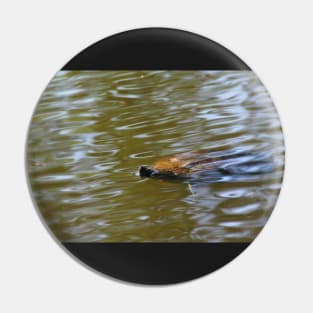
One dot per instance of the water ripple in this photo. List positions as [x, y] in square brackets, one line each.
[92, 130]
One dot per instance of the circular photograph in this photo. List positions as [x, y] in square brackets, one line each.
[154, 158]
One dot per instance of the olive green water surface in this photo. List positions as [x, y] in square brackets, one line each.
[92, 129]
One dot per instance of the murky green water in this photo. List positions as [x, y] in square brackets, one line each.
[91, 130]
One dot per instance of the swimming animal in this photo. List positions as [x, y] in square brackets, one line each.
[201, 164]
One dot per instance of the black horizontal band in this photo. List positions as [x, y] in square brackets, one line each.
[156, 49]
[155, 263]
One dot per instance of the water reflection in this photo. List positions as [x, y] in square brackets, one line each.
[92, 129]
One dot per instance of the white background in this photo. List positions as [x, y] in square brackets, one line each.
[274, 38]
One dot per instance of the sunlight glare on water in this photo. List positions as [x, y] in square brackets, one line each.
[92, 130]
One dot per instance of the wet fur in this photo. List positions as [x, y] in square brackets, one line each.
[198, 165]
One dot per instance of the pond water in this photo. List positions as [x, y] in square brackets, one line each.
[92, 130]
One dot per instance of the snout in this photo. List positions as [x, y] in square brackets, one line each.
[146, 171]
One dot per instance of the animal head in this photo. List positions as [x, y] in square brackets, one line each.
[147, 171]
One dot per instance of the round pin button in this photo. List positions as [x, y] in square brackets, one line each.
[155, 156]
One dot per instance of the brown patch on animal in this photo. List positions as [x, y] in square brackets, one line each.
[185, 163]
